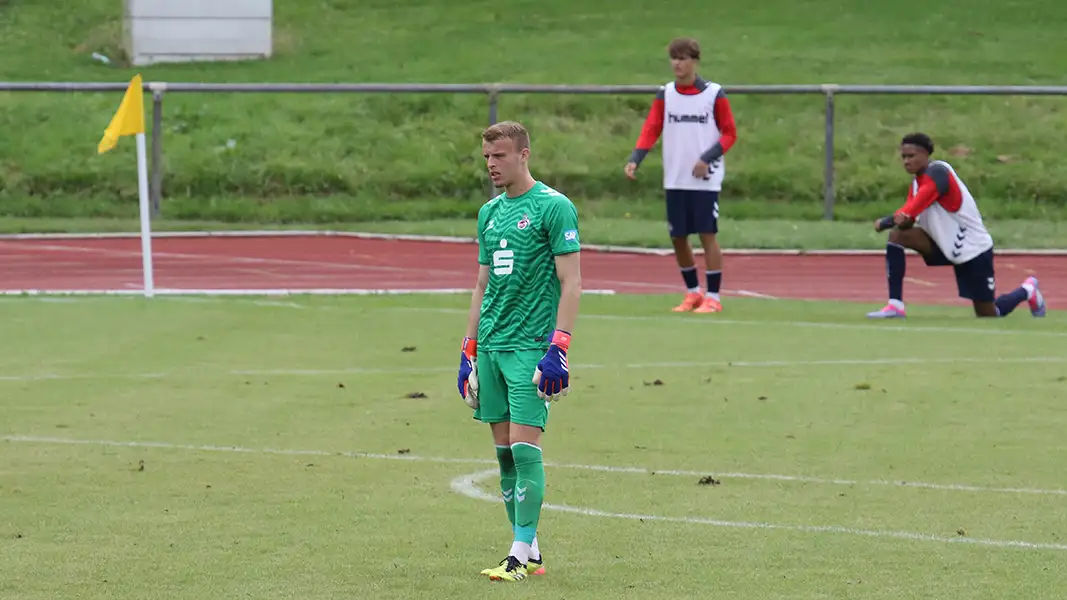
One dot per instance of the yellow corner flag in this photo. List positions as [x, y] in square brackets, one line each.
[129, 120]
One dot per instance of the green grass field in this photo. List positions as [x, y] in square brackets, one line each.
[315, 447]
[372, 158]
[293, 449]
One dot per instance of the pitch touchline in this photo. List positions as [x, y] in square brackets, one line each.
[235, 260]
[591, 366]
[953, 487]
[413, 237]
[467, 485]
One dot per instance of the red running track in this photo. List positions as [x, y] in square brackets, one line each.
[320, 262]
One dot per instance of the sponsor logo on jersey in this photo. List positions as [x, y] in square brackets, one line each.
[570, 235]
[524, 222]
[701, 118]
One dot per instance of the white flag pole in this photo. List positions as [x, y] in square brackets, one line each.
[146, 223]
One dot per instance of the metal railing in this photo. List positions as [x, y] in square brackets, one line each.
[493, 92]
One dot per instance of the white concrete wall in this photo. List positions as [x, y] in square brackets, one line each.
[197, 30]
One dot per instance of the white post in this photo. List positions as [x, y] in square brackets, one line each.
[146, 225]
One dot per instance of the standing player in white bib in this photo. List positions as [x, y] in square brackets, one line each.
[697, 125]
[941, 221]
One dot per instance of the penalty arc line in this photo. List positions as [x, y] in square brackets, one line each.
[950, 487]
[467, 485]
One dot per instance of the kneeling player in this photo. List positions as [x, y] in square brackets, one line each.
[941, 221]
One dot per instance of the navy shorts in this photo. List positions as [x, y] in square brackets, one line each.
[692, 211]
[974, 278]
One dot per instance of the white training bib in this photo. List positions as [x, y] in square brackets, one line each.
[689, 129]
[961, 235]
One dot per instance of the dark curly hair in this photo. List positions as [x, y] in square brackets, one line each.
[921, 140]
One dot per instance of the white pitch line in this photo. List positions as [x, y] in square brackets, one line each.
[751, 294]
[591, 366]
[276, 233]
[230, 260]
[277, 303]
[690, 364]
[713, 320]
[951, 487]
[136, 290]
[822, 325]
[945, 487]
[671, 287]
[467, 485]
[80, 376]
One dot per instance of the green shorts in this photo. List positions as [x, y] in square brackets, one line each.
[506, 391]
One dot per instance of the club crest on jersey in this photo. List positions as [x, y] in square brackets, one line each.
[524, 222]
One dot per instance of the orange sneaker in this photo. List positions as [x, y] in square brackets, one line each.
[709, 305]
[692, 300]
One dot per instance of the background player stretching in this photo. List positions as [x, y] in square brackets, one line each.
[948, 230]
[697, 125]
[514, 357]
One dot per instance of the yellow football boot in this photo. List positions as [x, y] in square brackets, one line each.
[510, 569]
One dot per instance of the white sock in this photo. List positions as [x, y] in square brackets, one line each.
[898, 304]
[520, 551]
[1029, 287]
[534, 552]
[715, 296]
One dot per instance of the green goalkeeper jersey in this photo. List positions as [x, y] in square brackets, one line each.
[519, 238]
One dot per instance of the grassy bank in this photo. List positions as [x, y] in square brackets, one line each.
[325, 158]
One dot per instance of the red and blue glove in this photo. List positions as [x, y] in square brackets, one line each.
[552, 377]
[468, 372]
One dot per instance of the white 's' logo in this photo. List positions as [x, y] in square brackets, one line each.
[503, 260]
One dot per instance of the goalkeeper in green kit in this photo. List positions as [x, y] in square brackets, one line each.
[514, 354]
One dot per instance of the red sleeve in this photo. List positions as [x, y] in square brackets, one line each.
[724, 117]
[653, 126]
[923, 198]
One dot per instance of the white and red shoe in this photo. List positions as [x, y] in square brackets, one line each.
[893, 310]
[1036, 299]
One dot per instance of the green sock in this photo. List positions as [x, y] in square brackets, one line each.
[529, 490]
[507, 480]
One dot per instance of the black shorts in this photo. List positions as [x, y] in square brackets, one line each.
[692, 211]
[974, 278]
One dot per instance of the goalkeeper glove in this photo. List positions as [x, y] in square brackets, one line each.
[468, 372]
[552, 377]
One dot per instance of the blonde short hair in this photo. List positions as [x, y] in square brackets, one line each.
[511, 130]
